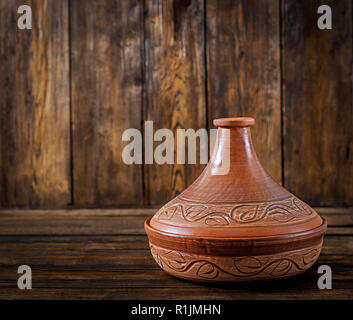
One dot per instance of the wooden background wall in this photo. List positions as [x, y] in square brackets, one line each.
[90, 69]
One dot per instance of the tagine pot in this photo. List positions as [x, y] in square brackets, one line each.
[235, 223]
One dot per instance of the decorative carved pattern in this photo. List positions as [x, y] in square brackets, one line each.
[217, 215]
[209, 268]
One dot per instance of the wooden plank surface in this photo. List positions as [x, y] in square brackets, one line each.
[72, 266]
[34, 106]
[76, 265]
[106, 263]
[106, 62]
[85, 225]
[243, 71]
[174, 85]
[317, 92]
[118, 221]
[181, 65]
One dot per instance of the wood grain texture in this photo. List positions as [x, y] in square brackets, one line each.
[116, 221]
[317, 95]
[58, 224]
[106, 61]
[34, 106]
[175, 89]
[181, 65]
[243, 71]
[78, 265]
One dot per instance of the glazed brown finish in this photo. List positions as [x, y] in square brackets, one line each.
[317, 95]
[235, 209]
[174, 85]
[35, 107]
[243, 70]
[106, 47]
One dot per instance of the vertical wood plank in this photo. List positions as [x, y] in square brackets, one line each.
[175, 85]
[34, 106]
[318, 114]
[106, 46]
[243, 71]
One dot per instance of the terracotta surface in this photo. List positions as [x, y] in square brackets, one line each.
[235, 209]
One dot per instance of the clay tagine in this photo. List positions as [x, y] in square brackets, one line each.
[235, 223]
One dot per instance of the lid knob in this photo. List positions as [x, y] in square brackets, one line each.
[234, 122]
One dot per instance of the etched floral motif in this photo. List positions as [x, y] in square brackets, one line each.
[280, 211]
[225, 215]
[237, 268]
[193, 213]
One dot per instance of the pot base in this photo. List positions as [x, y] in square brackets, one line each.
[235, 259]
[194, 267]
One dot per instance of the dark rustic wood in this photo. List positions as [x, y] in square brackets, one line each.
[106, 69]
[71, 224]
[243, 71]
[34, 107]
[174, 85]
[106, 266]
[116, 221]
[181, 65]
[317, 95]
[337, 217]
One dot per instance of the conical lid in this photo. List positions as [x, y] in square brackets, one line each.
[234, 196]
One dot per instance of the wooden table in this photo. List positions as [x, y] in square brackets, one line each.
[104, 254]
